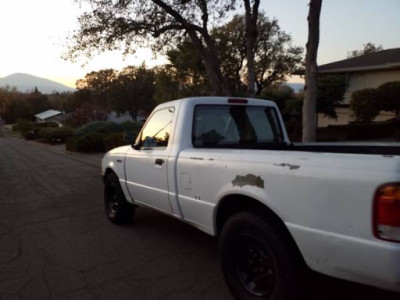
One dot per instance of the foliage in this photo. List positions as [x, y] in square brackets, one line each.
[331, 89]
[275, 57]
[365, 105]
[186, 71]
[88, 113]
[113, 140]
[15, 105]
[89, 142]
[131, 127]
[22, 125]
[133, 91]
[289, 105]
[156, 23]
[389, 97]
[167, 87]
[368, 48]
[55, 135]
[98, 127]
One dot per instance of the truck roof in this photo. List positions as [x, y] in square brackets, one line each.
[225, 100]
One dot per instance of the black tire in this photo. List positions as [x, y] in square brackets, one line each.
[256, 261]
[118, 210]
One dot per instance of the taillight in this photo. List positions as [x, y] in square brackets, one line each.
[387, 212]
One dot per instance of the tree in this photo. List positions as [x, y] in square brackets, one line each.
[166, 86]
[99, 84]
[365, 105]
[188, 69]
[331, 89]
[311, 87]
[133, 91]
[274, 58]
[389, 97]
[368, 48]
[159, 24]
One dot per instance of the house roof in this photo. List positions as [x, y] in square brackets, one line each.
[47, 114]
[381, 60]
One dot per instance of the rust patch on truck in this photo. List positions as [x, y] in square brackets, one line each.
[249, 179]
[291, 167]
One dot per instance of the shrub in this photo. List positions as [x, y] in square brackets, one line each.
[54, 135]
[29, 135]
[131, 127]
[365, 105]
[389, 96]
[89, 142]
[113, 140]
[46, 125]
[23, 126]
[98, 127]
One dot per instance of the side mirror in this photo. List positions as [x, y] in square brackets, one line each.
[129, 138]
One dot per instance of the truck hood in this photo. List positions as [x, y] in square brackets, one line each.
[120, 150]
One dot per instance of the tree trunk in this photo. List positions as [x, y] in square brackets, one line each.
[217, 80]
[311, 89]
[251, 38]
[211, 61]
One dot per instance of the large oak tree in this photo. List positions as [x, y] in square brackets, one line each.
[112, 24]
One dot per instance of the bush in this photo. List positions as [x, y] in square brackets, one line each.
[113, 140]
[23, 126]
[131, 127]
[29, 135]
[54, 135]
[389, 96]
[89, 142]
[98, 127]
[365, 105]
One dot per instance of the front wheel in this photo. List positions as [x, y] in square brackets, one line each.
[118, 210]
[256, 261]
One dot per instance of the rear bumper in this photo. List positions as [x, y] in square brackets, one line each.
[370, 262]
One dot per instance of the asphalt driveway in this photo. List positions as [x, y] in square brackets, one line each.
[56, 242]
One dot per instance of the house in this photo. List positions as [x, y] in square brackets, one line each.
[366, 71]
[49, 116]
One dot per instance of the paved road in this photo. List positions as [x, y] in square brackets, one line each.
[56, 243]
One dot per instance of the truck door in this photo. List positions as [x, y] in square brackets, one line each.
[147, 168]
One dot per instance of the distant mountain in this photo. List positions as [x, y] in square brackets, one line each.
[296, 86]
[27, 83]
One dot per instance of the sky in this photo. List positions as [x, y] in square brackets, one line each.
[33, 34]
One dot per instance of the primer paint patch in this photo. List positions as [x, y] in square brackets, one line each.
[249, 179]
[291, 167]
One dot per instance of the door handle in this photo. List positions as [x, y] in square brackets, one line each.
[159, 161]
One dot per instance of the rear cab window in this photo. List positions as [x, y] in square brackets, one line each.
[235, 126]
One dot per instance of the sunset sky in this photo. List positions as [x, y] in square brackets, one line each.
[33, 34]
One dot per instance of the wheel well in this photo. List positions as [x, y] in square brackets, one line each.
[107, 172]
[233, 204]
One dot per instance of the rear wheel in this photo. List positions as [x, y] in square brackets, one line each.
[256, 261]
[118, 210]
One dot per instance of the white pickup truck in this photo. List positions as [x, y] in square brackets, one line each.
[226, 166]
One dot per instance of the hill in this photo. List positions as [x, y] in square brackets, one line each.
[296, 86]
[26, 82]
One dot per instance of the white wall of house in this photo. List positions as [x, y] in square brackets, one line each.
[344, 117]
[358, 81]
[371, 79]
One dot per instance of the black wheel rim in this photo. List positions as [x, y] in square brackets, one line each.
[255, 267]
[112, 199]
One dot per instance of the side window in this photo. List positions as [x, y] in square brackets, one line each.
[157, 131]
